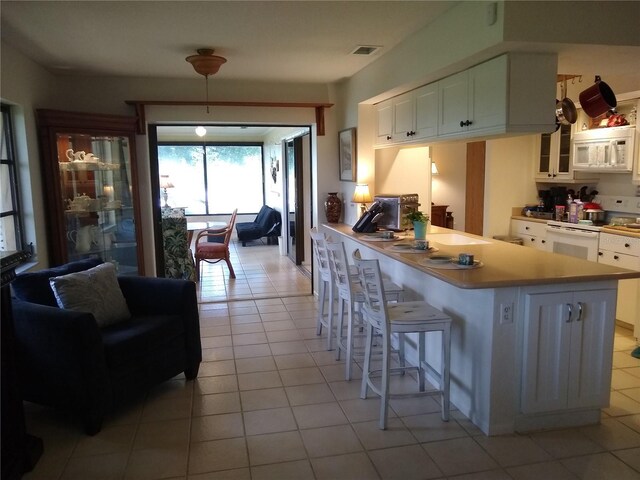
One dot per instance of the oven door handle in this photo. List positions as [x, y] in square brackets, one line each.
[572, 232]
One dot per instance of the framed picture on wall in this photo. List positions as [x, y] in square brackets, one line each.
[347, 152]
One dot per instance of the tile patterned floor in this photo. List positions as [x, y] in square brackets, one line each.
[261, 272]
[271, 403]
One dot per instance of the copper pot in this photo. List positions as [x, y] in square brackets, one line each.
[597, 99]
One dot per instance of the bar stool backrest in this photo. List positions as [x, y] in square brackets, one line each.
[320, 253]
[374, 309]
[340, 268]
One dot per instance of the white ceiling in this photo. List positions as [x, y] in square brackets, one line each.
[293, 41]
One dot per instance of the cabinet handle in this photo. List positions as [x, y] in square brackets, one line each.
[570, 308]
[616, 257]
[544, 241]
[549, 175]
[468, 122]
[600, 253]
[554, 175]
[465, 123]
[388, 137]
[526, 228]
[627, 245]
[412, 133]
[579, 312]
[461, 124]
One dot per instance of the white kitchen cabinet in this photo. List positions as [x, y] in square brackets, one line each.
[533, 233]
[567, 350]
[554, 156]
[408, 117]
[384, 117]
[426, 113]
[474, 99]
[624, 252]
[512, 93]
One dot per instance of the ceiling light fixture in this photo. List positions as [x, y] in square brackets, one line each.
[201, 131]
[206, 63]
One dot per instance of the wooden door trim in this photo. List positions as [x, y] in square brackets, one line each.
[474, 203]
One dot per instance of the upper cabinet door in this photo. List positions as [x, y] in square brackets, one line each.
[453, 93]
[426, 105]
[384, 114]
[488, 94]
[403, 116]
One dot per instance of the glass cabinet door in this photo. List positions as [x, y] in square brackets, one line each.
[93, 204]
[95, 182]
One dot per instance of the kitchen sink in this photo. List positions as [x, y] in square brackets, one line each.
[455, 239]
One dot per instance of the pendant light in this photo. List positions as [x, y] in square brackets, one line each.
[206, 63]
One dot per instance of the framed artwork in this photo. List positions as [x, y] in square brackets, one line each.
[347, 153]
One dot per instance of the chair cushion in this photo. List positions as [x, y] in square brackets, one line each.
[34, 286]
[95, 291]
[138, 337]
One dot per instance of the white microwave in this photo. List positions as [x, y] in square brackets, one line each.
[604, 149]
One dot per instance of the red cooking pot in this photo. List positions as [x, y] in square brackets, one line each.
[597, 99]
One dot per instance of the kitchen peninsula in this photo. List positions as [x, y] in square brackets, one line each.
[532, 332]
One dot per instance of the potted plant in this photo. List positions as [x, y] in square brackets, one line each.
[419, 220]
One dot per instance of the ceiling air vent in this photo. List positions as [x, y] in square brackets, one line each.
[365, 50]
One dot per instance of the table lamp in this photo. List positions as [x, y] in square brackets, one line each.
[165, 182]
[362, 196]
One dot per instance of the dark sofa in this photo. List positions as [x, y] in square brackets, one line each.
[65, 360]
[267, 224]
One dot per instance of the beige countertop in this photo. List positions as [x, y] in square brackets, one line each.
[627, 232]
[505, 264]
[530, 219]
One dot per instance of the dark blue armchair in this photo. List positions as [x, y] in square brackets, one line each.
[66, 361]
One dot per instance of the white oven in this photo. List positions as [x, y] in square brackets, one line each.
[576, 240]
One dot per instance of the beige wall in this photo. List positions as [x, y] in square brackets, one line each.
[509, 170]
[448, 187]
[27, 86]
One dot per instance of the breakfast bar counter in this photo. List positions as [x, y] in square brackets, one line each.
[532, 332]
[503, 264]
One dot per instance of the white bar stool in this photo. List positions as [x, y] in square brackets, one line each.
[402, 318]
[326, 283]
[350, 295]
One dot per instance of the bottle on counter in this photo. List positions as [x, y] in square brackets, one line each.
[573, 212]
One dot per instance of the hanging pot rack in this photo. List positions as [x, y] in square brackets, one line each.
[565, 78]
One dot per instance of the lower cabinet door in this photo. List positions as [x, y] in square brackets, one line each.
[592, 333]
[547, 342]
[567, 350]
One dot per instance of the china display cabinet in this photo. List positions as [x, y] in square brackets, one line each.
[91, 189]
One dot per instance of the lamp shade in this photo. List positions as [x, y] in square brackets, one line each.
[361, 194]
[165, 182]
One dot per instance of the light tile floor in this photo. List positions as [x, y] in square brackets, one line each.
[261, 272]
[271, 403]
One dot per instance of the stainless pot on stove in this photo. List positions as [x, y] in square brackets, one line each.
[596, 216]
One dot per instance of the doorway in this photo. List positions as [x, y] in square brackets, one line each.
[273, 170]
[297, 198]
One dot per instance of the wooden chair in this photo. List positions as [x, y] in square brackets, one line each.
[213, 252]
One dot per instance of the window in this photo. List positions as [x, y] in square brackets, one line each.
[213, 178]
[10, 222]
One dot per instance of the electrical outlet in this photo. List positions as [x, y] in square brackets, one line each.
[506, 313]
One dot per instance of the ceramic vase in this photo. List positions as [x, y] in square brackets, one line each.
[333, 207]
[420, 230]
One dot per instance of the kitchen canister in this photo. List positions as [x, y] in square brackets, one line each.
[333, 207]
